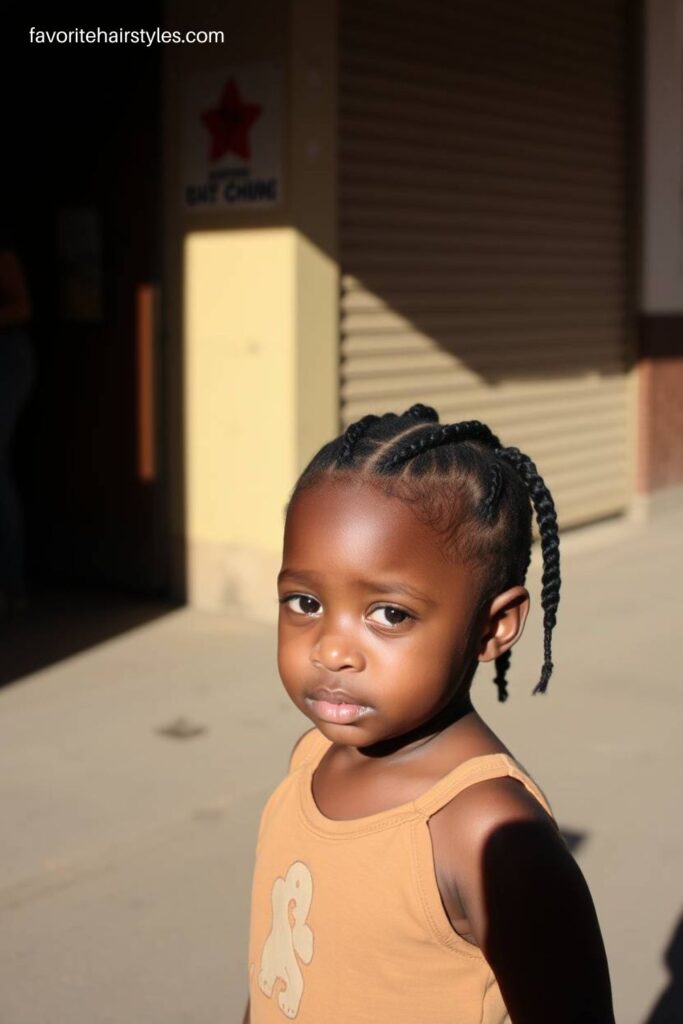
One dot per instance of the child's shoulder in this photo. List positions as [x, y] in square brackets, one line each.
[497, 811]
[493, 789]
[493, 797]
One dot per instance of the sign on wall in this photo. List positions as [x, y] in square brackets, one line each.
[232, 138]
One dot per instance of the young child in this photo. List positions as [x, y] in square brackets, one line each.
[408, 870]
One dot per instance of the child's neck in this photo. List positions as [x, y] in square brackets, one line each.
[422, 735]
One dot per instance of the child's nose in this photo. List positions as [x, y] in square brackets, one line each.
[337, 652]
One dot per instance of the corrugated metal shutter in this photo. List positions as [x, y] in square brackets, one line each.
[482, 227]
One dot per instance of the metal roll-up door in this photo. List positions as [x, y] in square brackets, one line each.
[483, 227]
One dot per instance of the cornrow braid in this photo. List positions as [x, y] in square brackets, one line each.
[550, 547]
[352, 436]
[356, 430]
[502, 665]
[503, 660]
[489, 505]
[422, 412]
[470, 430]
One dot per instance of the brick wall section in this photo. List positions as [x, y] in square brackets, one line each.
[660, 370]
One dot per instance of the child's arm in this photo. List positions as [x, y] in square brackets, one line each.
[528, 906]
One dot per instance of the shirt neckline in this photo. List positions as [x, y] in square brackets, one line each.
[387, 818]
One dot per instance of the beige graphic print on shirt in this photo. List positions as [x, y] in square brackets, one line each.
[288, 940]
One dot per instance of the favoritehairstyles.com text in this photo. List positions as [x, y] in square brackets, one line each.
[137, 36]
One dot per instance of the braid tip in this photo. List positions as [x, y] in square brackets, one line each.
[542, 685]
[502, 690]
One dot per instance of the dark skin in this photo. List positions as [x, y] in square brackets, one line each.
[372, 605]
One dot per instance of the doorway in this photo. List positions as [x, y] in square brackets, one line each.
[85, 193]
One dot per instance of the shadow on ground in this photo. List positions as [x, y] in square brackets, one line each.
[59, 623]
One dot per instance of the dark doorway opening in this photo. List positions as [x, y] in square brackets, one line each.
[82, 187]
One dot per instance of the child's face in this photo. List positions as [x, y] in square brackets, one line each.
[370, 606]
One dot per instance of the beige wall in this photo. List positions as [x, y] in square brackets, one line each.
[252, 314]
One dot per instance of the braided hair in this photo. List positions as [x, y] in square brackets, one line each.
[464, 483]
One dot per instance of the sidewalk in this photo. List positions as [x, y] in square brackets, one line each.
[126, 855]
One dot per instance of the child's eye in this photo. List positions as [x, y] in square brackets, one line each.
[392, 616]
[306, 605]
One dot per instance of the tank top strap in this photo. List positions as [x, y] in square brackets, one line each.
[477, 769]
[309, 746]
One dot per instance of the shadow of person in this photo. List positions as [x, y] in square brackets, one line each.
[542, 937]
[669, 1007]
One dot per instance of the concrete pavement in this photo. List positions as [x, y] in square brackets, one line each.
[126, 851]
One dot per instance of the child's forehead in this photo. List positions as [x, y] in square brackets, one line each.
[360, 520]
[347, 499]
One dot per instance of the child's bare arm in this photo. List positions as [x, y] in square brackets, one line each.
[529, 907]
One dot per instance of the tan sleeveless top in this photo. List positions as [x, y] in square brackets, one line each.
[347, 923]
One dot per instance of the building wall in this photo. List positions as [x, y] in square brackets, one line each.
[252, 300]
[660, 448]
[484, 206]
[661, 399]
[251, 311]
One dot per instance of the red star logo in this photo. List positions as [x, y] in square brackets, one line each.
[230, 122]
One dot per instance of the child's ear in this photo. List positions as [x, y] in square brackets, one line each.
[503, 623]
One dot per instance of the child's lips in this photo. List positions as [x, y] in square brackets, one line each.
[334, 696]
[336, 706]
[336, 711]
